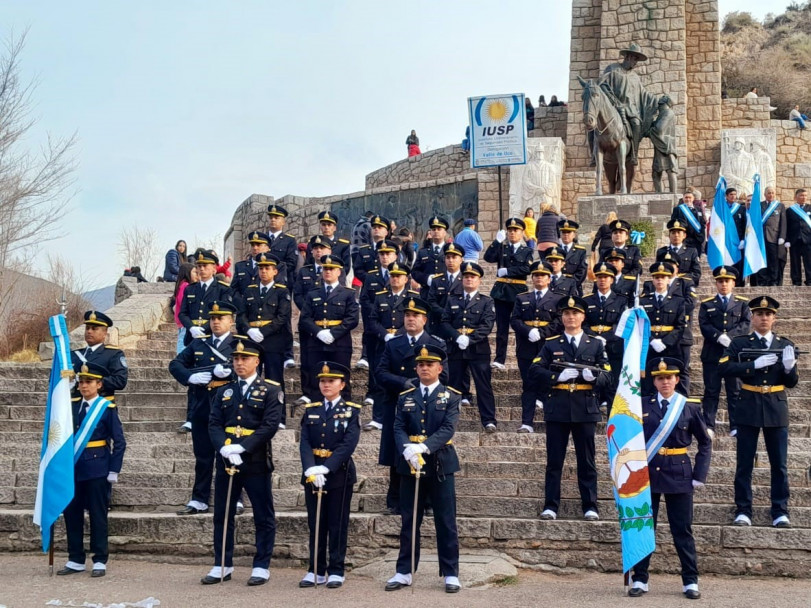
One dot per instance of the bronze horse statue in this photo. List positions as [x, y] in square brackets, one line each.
[611, 145]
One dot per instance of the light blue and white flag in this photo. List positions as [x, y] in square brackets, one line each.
[754, 251]
[722, 246]
[627, 456]
[55, 483]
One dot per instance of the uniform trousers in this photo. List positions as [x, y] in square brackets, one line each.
[684, 377]
[333, 528]
[442, 495]
[317, 354]
[557, 439]
[740, 281]
[528, 393]
[374, 351]
[257, 486]
[203, 454]
[482, 378]
[712, 394]
[91, 494]
[273, 369]
[776, 439]
[393, 492]
[768, 275]
[800, 260]
[504, 311]
[680, 517]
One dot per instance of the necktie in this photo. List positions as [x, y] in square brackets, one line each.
[602, 301]
[327, 405]
[467, 299]
[763, 343]
[413, 340]
[573, 344]
[425, 393]
[665, 403]
[658, 301]
[724, 300]
[263, 292]
[436, 250]
[215, 342]
[271, 239]
[242, 386]
[329, 289]
[554, 281]
[203, 288]
[538, 297]
[87, 352]
[318, 270]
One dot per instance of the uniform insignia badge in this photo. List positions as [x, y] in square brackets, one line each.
[281, 397]
[228, 393]
[124, 361]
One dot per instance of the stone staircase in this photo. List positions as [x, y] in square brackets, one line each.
[500, 487]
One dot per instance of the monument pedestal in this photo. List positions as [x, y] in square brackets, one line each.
[592, 210]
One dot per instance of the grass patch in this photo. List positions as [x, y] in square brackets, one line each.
[27, 355]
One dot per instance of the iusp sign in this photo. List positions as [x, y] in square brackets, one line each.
[498, 130]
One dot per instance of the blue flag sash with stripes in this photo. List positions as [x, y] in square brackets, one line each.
[91, 420]
[666, 425]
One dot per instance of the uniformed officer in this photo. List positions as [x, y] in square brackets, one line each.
[763, 404]
[396, 372]
[672, 421]
[99, 463]
[198, 296]
[365, 257]
[576, 257]
[203, 366]
[264, 316]
[245, 271]
[386, 317]
[535, 318]
[666, 312]
[445, 283]
[798, 238]
[571, 404]
[624, 285]
[431, 259]
[604, 309]
[466, 325]
[330, 429]
[721, 318]
[282, 245]
[513, 258]
[309, 276]
[328, 224]
[327, 319]
[111, 358]
[376, 280]
[694, 219]
[424, 426]
[738, 213]
[559, 283]
[775, 225]
[245, 415]
[620, 233]
[690, 265]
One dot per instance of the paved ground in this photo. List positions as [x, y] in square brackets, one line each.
[25, 584]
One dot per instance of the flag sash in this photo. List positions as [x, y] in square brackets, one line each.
[733, 209]
[768, 213]
[666, 425]
[801, 213]
[688, 215]
[91, 420]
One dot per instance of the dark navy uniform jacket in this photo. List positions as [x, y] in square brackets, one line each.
[759, 409]
[339, 306]
[271, 315]
[561, 405]
[199, 354]
[694, 238]
[479, 316]
[528, 315]
[517, 263]
[438, 294]
[576, 264]
[798, 233]
[307, 280]
[285, 248]
[245, 273]
[113, 360]
[714, 320]
[341, 248]
[388, 310]
[633, 260]
[675, 474]
[435, 420]
[397, 372]
[672, 313]
[564, 286]
[363, 261]
[684, 288]
[690, 265]
[99, 462]
[260, 411]
[338, 432]
[373, 283]
[194, 308]
[601, 320]
[427, 264]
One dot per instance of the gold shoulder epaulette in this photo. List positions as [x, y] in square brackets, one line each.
[408, 390]
[365, 247]
[710, 299]
[453, 390]
[111, 405]
[111, 347]
[742, 298]
[536, 360]
[553, 337]
[76, 399]
[312, 404]
[579, 247]
[353, 404]
[280, 285]
[224, 284]
[292, 236]
[567, 275]
[381, 292]
[346, 242]
[693, 400]
[437, 275]
[416, 293]
[630, 277]
[723, 359]
[273, 382]
[375, 271]
[256, 285]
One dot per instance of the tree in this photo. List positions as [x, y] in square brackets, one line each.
[139, 247]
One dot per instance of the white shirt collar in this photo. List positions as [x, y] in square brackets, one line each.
[333, 403]
[268, 286]
[577, 337]
[96, 347]
[606, 294]
[657, 294]
[222, 337]
[769, 337]
[207, 283]
[541, 291]
[472, 294]
[417, 337]
[276, 235]
[249, 381]
[431, 388]
[659, 399]
[333, 285]
[398, 293]
[557, 276]
[729, 297]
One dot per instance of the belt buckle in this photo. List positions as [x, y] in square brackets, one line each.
[572, 386]
[765, 389]
[238, 432]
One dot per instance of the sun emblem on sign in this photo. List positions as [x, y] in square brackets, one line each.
[496, 110]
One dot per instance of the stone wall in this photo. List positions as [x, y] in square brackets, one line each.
[742, 113]
[793, 159]
[550, 122]
[434, 164]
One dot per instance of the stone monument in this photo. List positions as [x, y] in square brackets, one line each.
[538, 181]
[745, 152]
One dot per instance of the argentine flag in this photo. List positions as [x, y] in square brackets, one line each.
[754, 252]
[722, 246]
[55, 483]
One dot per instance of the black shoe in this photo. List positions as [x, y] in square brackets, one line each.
[65, 571]
[392, 511]
[240, 509]
[692, 594]
[334, 584]
[452, 588]
[636, 592]
[255, 581]
[184, 429]
[306, 584]
[191, 511]
[429, 512]
[213, 580]
[394, 586]
[98, 573]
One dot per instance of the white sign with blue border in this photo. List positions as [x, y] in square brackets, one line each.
[498, 130]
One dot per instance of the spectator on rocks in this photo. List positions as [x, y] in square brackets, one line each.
[469, 240]
[187, 274]
[466, 140]
[174, 258]
[135, 272]
[541, 102]
[530, 113]
[408, 249]
[413, 144]
[798, 117]
[546, 231]
[752, 94]
[554, 103]
[724, 94]
[529, 231]
[602, 239]
[225, 269]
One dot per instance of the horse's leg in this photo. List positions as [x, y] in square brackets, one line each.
[630, 169]
[598, 170]
[622, 151]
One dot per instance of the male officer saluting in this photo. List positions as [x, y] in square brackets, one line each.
[576, 257]
[245, 271]
[431, 259]
[762, 405]
[198, 296]
[203, 366]
[670, 422]
[96, 325]
[513, 258]
[721, 318]
[425, 422]
[571, 404]
[328, 224]
[245, 415]
[534, 319]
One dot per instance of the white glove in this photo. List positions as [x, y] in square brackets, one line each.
[112, 477]
[414, 449]
[462, 342]
[221, 372]
[316, 470]
[724, 340]
[235, 459]
[388, 337]
[501, 272]
[197, 332]
[501, 236]
[789, 358]
[765, 361]
[534, 334]
[697, 484]
[74, 382]
[787, 245]
[601, 339]
[781, 241]
[325, 336]
[568, 374]
[657, 345]
[200, 378]
[430, 279]
[255, 335]
[588, 375]
[741, 245]
[319, 481]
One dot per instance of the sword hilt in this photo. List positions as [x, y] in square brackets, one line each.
[319, 491]
[418, 472]
[232, 470]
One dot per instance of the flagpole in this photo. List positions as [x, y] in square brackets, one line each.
[51, 554]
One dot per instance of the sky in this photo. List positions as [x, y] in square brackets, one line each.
[183, 109]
